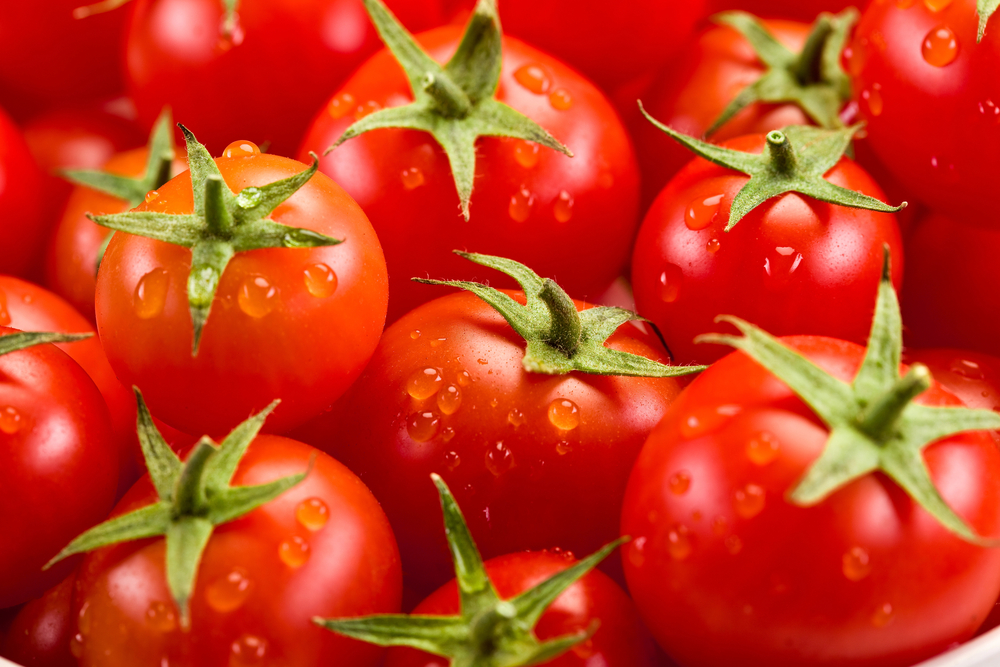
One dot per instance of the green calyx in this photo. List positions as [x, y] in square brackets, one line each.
[20, 340]
[812, 79]
[223, 223]
[488, 632]
[560, 338]
[984, 10]
[874, 423]
[794, 160]
[194, 497]
[454, 103]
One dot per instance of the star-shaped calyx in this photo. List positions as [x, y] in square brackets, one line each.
[794, 159]
[985, 10]
[874, 423]
[560, 338]
[812, 79]
[454, 103]
[488, 632]
[195, 496]
[223, 223]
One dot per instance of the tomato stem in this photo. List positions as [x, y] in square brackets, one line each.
[449, 98]
[218, 218]
[882, 415]
[782, 155]
[566, 327]
[189, 498]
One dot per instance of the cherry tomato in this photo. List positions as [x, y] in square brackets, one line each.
[724, 570]
[40, 633]
[792, 265]
[322, 548]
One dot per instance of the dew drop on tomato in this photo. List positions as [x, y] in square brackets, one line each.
[437, 342]
[160, 617]
[563, 208]
[534, 77]
[247, 651]
[366, 109]
[152, 195]
[940, 46]
[340, 106]
[448, 434]
[679, 542]
[679, 482]
[10, 420]
[713, 246]
[241, 148]
[670, 283]
[294, 552]
[526, 153]
[412, 178]
[257, 296]
[452, 460]
[76, 646]
[516, 418]
[882, 615]
[463, 378]
[320, 280]
[967, 368]
[560, 99]
[937, 5]
[563, 448]
[749, 501]
[873, 99]
[424, 383]
[762, 448]
[635, 552]
[564, 414]
[228, 593]
[856, 564]
[449, 399]
[499, 459]
[520, 205]
[423, 426]
[701, 212]
[312, 514]
[151, 294]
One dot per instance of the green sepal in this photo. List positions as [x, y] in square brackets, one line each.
[223, 223]
[795, 159]
[456, 103]
[984, 10]
[874, 425]
[559, 338]
[813, 79]
[194, 496]
[488, 631]
[21, 340]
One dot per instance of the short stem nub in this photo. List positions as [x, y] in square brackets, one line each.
[450, 100]
[883, 413]
[189, 496]
[217, 215]
[782, 155]
[566, 326]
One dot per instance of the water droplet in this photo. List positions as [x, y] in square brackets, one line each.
[423, 426]
[340, 105]
[989, 109]
[702, 212]
[449, 399]
[526, 153]
[534, 77]
[968, 369]
[516, 418]
[151, 294]
[320, 280]
[749, 501]
[437, 342]
[452, 460]
[414, 334]
[670, 283]
[294, 552]
[151, 195]
[228, 593]
[76, 645]
[424, 383]
[733, 544]
[701, 421]
[563, 208]
[560, 99]
[250, 197]
[10, 420]
[241, 149]
[230, 32]
[762, 448]
[482, 362]
[713, 246]
[720, 526]
[635, 552]
[463, 378]
[563, 448]
[679, 482]
[448, 434]
[83, 619]
[499, 459]
[520, 204]
[564, 414]
[873, 99]
[936, 5]
[366, 109]
[493, 401]
[940, 47]
[679, 542]
[160, 617]
[247, 650]
[257, 296]
[882, 616]
[312, 513]
[412, 178]
[856, 564]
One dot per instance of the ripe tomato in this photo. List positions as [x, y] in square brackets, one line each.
[536, 461]
[21, 201]
[323, 547]
[178, 54]
[792, 265]
[40, 633]
[527, 199]
[725, 570]
[60, 467]
[292, 323]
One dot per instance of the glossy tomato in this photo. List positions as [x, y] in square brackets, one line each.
[322, 548]
[725, 570]
[292, 323]
[41, 632]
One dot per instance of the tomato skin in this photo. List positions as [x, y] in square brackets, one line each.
[718, 584]
[799, 10]
[305, 350]
[40, 633]
[295, 51]
[21, 202]
[421, 224]
[522, 482]
[620, 641]
[352, 569]
[60, 466]
[792, 265]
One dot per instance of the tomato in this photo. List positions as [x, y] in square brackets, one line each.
[570, 218]
[799, 10]
[40, 633]
[928, 93]
[21, 203]
[535, 460]
[292, 323]
[792, 265]
[295, 53]
[323, 547]
[973, 377]
[725, 570]
[620, 640]
[60, 467]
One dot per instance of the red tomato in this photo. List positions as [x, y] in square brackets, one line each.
[60, 468]
[528, 199]
[792, 265]
[21, 202]
[295, 51]
[799, 10]
[620, 640]
[725, 571]
[536, 461]
[292, 323]
[322, 548]
[40, 633]
[919, 72]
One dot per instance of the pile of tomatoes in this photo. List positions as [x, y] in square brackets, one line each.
[232, 199]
